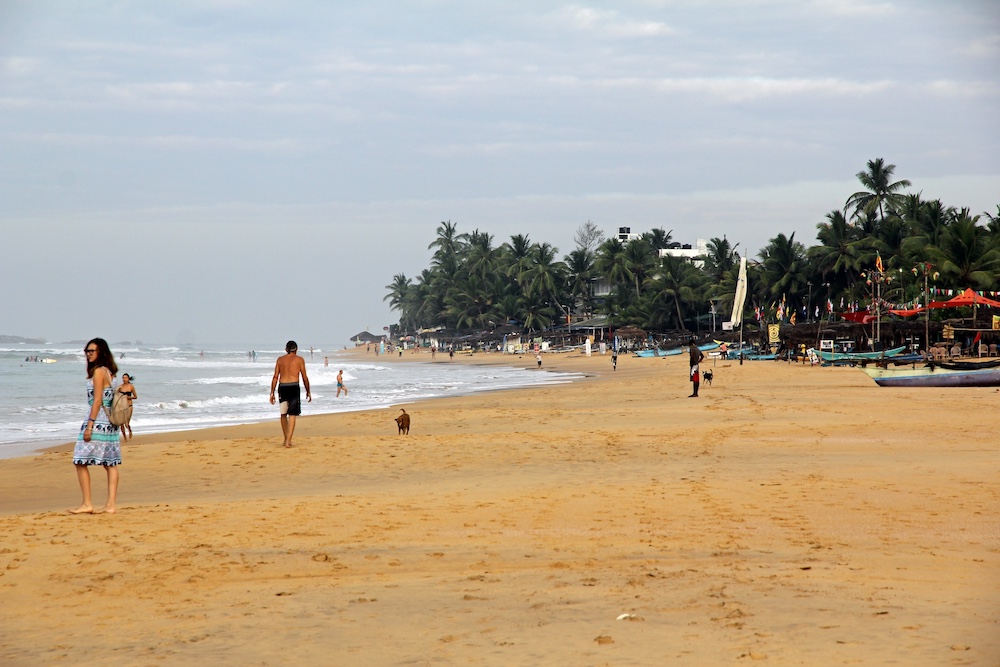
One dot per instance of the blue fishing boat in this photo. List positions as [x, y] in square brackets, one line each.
[857, 356]
[937, 375]
[657, 352]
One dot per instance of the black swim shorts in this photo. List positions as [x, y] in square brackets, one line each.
[289, 398]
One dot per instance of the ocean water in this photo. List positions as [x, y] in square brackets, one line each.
[179, 389]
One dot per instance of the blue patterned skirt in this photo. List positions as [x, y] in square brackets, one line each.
[104, 448]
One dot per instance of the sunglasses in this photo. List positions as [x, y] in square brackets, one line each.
[91, 350]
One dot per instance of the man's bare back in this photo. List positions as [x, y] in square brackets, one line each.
[287, 370]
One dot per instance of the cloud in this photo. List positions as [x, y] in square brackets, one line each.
[19, 66]
[854, 8]
[171, 142]
[966, 89]
[987, 47]
[609, 23]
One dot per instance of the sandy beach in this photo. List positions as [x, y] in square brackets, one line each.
[789, 516]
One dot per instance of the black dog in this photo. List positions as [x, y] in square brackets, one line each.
[707, 376]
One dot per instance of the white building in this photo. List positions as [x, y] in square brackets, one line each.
[685, 250]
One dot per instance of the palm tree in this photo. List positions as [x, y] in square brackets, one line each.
[837, 258]
[517, 256]
[580, 270]
[785, 268]
[675, 282]
[467, 303]
[658, 239]
[879, 191]
[638, 260]
[994, 221]
[546, 275]
[398, 288]
[481, 257]
[611, 263]
[448, 240]
[721, 259]
[967, 255]
[927, 225]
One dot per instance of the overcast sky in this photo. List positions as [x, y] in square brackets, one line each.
[258, 171]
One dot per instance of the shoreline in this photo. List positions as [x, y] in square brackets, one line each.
[56, 446]
[788, 512]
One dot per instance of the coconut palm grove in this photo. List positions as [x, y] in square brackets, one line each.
[885, 250]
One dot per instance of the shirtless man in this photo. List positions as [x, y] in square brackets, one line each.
[340, 384]
[286, 372]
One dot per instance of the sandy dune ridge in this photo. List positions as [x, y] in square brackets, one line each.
[788, 516]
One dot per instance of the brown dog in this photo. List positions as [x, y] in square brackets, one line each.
[403, 422]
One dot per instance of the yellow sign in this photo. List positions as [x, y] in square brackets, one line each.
[773, 331]
[948, 332]
[996, 321]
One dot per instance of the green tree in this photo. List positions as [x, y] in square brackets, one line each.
[784, 266]
[880, 190]
[967, 255]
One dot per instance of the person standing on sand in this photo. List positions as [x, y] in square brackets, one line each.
[287, 370]
[128, 389]
[614, 360]
[696, 358]
[98, 442]
[340, 383]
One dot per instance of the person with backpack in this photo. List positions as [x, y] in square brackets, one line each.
[98, 442]
[127, 389]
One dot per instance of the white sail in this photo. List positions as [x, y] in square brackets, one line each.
[741, 295]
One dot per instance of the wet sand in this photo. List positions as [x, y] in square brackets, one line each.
[788, 516]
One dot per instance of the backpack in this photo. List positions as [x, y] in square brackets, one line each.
[120, 409]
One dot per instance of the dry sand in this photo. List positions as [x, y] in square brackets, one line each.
[789, 516]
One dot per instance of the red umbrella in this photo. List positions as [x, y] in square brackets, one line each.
[968, 298]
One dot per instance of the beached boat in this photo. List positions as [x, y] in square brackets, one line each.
[857, 356]
[937, 375]
[753, 356]
[656, 352]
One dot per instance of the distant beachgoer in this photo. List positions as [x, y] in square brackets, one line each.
[128, 389]
[98, 442]
[538, 358]
[614, 360]
[340, 384]
[326, 361]
[434, 351]
[451, 354]
[287, 370]
[696, 358]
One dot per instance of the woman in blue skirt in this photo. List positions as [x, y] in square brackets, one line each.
[98, 442]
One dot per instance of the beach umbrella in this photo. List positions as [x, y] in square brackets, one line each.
[970, 298]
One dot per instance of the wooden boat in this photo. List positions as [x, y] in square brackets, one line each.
[656, 352]
[854, 356]
[937, 375]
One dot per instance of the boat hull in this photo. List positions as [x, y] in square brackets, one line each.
[656, 352]
[934, 377]
[857, 356]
